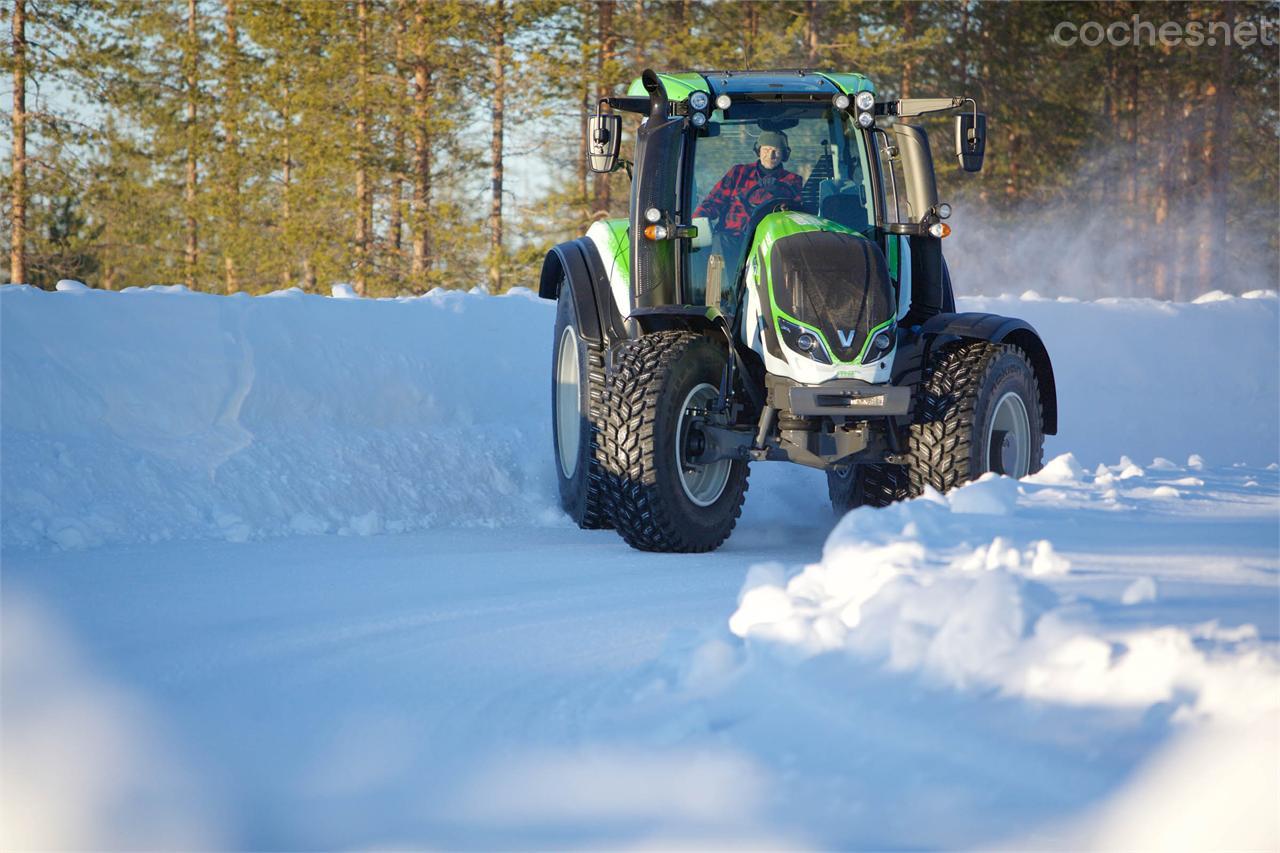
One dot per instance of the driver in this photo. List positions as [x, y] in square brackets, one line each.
[748, 185]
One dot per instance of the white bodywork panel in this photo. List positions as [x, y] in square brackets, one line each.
[619, 276]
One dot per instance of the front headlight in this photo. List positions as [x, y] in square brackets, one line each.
[804, 341]
[698, 100]
[881, 343]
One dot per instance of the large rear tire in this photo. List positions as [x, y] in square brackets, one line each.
[659, 501]
[577, 380]
[852, 486]
[977, 410]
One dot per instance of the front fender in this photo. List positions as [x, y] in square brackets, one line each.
[974, 325]
[576, 264]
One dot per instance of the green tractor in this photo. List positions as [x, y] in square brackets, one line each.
[777, 292]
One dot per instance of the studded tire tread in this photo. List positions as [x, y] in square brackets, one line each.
[941, 444]
[638, 475]
[584, 496]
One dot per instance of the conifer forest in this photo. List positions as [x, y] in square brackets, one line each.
[402, 145]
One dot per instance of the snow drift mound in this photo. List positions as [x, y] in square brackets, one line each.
[957, 587]
[1072, 661]
[158, 413]
[1151, 378]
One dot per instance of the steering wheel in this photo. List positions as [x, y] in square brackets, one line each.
[772, 205]
[774, 199]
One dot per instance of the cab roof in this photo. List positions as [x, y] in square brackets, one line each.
[798, 81]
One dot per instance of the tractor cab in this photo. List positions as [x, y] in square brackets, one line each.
[696, 153]
[821, 172]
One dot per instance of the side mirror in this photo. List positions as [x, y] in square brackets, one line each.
[605, 138]
[971, 140]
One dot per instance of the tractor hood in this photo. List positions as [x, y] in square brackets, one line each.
[825, 293]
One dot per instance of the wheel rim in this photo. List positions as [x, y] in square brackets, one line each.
[1009, 437]
[702, 484]
[568, 417]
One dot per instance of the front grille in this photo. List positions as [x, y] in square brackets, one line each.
[836, 283]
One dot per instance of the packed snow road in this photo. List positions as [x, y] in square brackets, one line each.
[343, 692]
[280, 573]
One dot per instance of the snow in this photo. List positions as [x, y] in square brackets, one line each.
[906, 588]
[289, 572]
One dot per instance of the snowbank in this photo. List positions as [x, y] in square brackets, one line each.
[1151, 378]
[1073, 661]
[158, 413]
[925, 586]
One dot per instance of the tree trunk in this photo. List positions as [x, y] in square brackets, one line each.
[1110, 108]
[1160, 209]
[396, 225]
[17, 256]
[813, 28]
[1217, 159]
[583, 127]
[420, 265]
[1136, 217]
[677, 36]
[364, 195]
[286, 180]
[495, 146]
[1013, 184]
[908, 35]
[191, 60]
[608, 43]
[1191, 134]
[750, 33]
[231, 176]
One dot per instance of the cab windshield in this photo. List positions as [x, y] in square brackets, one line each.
[821, 171]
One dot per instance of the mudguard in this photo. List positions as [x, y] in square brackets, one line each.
[943, 328]
[697, 318]
[577, 263]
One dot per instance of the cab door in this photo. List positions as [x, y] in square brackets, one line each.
[659, 149]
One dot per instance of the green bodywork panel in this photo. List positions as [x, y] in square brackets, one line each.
[677, 86]
[850, 83]
[774, 227]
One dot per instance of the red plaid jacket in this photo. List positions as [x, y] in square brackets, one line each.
[743, 188]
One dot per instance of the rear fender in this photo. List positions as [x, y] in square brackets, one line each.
[577, 264]
[943, 328]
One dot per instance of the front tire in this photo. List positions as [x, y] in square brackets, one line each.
[977, 410]
[878, 484]
[577, 378]
[658, 500]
